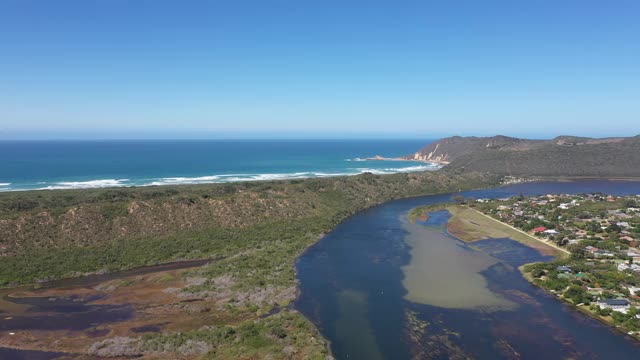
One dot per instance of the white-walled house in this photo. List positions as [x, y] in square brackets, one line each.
[619, 305]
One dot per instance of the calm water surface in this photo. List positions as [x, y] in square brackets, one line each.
[352, 289]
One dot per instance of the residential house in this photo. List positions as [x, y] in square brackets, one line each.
[619, 305]
[633, 290]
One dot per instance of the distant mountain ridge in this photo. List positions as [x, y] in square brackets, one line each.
[561, 156]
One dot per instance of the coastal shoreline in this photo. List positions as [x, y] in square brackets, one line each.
[115, 163]
[219, 178]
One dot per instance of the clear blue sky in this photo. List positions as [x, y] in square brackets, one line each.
[122, 68]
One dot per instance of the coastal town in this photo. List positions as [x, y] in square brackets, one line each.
[601, 232]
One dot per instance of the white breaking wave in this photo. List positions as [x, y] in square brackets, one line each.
[397, 170]
[320, 174]
[416, 168]
[259, 177]
[104, 183]
[91, 184]
[356, 159]
[186, 180]
[5, 184]
[265, 177]
[243, 177]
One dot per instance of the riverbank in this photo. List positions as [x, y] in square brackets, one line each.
[607, 320]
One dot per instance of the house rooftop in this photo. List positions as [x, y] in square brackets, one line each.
[616, 302]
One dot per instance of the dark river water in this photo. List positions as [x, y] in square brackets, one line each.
[354, 287]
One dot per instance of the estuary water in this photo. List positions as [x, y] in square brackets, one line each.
[29, 165]
[379, 287]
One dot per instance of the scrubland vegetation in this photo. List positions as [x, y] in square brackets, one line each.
[54, 234]
[253, 231]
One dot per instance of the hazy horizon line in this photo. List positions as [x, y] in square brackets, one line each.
[267, 135]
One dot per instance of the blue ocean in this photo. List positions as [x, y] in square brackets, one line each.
[29, 165]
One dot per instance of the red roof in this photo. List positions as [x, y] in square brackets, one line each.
[540, 229]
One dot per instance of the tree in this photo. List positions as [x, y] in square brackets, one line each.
[618, 317]
[607, 294]
[575, 293]
[537, 273]
[578, 251]
[459, 199]
[613, 228]
[605, 311]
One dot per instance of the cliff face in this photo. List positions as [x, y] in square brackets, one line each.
[447, 149]
[562, 156]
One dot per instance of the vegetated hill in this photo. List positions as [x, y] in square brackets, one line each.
[51, 234]
[562, 156]
[252, 231]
